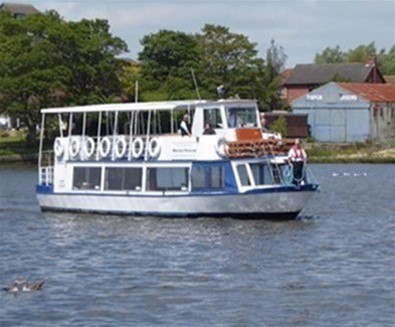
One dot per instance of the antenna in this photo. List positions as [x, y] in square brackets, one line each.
[194, 82]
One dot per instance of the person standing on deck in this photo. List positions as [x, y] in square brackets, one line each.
[185, 127]
[298, 158]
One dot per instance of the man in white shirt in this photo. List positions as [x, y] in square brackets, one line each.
[185, 127]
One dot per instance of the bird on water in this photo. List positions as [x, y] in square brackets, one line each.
[23, 285]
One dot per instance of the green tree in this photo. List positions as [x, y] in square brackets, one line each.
[387, 61]
[271, 83]
[362, 53]
[93, 51]
[46, 62]
[229, 59]
[280, 126]
[128, 76]
[330, 56]
[218, 57]
[166, 62]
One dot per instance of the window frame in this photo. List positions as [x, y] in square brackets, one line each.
[174, 166]
[249, 175]
[135, 190]
[81, 189]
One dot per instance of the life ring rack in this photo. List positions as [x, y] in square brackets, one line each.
[137, 147]
[120, 147]
[88, 147]
[104, 147]
[74, 147]
[58, 147]
[154, 147]
[221, 148]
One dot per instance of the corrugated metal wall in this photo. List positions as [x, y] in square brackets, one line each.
[335, 115]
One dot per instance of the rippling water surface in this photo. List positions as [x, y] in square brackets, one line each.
[335, 266]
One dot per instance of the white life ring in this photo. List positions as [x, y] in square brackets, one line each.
[58, 147]
[154, 147]
[88, 147]
[104, 147]
[137, 147]
[120, 147]
[75, 147]
[222, 147]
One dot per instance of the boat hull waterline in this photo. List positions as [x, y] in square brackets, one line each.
[276, 204]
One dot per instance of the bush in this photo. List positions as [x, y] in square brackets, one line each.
[4, 134]
[280, 126]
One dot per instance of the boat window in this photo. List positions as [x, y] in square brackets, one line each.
[217, 177]
[243, 175]
[213, 116]
[198, 177]
[241, 117]
[203, 177]
[167, 179]
[261, 173]
[123, 179]
[86, 178]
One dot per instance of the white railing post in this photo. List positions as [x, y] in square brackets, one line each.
[40, 151]
[98, 136]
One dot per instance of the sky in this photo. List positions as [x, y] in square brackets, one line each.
[302, 27]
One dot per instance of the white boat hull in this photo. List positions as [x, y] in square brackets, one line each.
[277, 204]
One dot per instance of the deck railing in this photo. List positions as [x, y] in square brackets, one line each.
[46, 175]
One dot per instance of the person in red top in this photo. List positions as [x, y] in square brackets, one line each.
[298, 158]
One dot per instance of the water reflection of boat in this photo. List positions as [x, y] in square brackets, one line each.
[130, 159]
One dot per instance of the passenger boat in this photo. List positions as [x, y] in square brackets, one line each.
[130, 159]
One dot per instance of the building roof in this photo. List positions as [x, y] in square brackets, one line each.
[390, 79]
[371, 92]
[18, 8]
[285, 74]
[323, 73]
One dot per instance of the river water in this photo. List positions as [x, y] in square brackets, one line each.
[335, 266]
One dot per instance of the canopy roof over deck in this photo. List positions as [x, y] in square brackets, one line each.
[143, 106]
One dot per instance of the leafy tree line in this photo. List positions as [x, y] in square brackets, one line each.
[47, 62]
[225, 64]
[362, 53]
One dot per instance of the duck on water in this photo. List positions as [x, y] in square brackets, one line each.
[23, 285]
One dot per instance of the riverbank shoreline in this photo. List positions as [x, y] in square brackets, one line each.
[379, 157]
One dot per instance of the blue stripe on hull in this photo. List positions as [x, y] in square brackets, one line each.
[43, 189]
[250, 215]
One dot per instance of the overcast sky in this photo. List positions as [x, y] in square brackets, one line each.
[301, 27]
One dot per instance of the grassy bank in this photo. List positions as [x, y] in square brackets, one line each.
[14, 148]
[367, 152]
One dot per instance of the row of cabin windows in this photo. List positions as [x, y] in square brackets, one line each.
[173, 179]
[158, 179]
